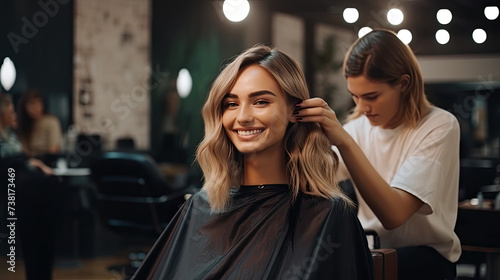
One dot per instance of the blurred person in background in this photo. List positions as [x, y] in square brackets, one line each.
[39, 132]
[11, 148]
[37, 197]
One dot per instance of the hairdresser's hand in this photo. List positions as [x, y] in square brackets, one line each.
[317, 110]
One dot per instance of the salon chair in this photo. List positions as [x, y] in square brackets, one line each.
[133, 196]
[87, 149]
[478, 228]
[125, 144]
[385, 260]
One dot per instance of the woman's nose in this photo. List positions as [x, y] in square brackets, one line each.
[244, 114]
[364, 106]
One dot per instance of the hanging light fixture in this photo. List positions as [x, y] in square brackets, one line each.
[184, 83]
[444, 16]
[405, 36]
[350, 15]
[491, 12]
[7, 74]
[236, 10]
[479, 35]
[442, 36]
[395, 16]
[363, 31]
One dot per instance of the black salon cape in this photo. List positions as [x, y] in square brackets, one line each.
[262, 236]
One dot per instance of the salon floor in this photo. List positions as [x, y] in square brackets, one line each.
[103, 267]
[79, 257]
[95, 268]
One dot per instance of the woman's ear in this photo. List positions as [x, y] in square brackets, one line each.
[404, 82]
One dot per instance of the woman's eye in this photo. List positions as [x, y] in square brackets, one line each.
[371, 97]
[261, 102]
[230, 105]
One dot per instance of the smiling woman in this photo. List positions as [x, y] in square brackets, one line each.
[270, 207]
[259, 91]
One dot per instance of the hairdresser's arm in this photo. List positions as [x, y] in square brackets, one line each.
[38, 163]
[392, 206]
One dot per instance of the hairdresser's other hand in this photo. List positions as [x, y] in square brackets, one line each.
[317, 110]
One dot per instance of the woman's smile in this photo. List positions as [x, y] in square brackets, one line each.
[253, 132]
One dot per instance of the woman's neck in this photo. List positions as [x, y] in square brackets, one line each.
[261, 170]
[36, 118]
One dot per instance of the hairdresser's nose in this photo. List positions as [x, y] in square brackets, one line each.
[245, 114]
[364, 106]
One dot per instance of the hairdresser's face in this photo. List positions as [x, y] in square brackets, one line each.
[34, 108]
[8, 117]
[379, 102]
[256, 113]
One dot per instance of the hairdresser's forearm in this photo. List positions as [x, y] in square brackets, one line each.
[392, 206]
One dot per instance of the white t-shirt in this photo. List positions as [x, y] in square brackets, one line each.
[423, 161]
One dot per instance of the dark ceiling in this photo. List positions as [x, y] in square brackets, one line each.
[420, 19]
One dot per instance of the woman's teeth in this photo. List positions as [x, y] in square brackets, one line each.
[249, 132]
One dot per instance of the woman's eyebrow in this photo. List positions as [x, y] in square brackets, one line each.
[364, 94]
[230, 95]
[253, 94]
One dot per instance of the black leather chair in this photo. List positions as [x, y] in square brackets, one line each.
[132, 193]
[87, 149]
[134, 198]
[479, 232]
[125, 144]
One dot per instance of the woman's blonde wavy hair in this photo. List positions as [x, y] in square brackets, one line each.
[310, 161]
[381, 56]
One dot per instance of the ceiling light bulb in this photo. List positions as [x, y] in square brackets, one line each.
[442, 36]
[479, 36]
[491, 12]
[363, 31]
[395, 16]
[444, 16]
[405, 36]
[351, 15]
[184, 83]
[7, 74]
[236, 10]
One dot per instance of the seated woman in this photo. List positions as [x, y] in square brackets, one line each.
[270, 207]
[39, 132]
[11, 149]
[37, 197]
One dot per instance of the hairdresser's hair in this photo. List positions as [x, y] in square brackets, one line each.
[381, 56]
[310, 161]
[25, 121]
